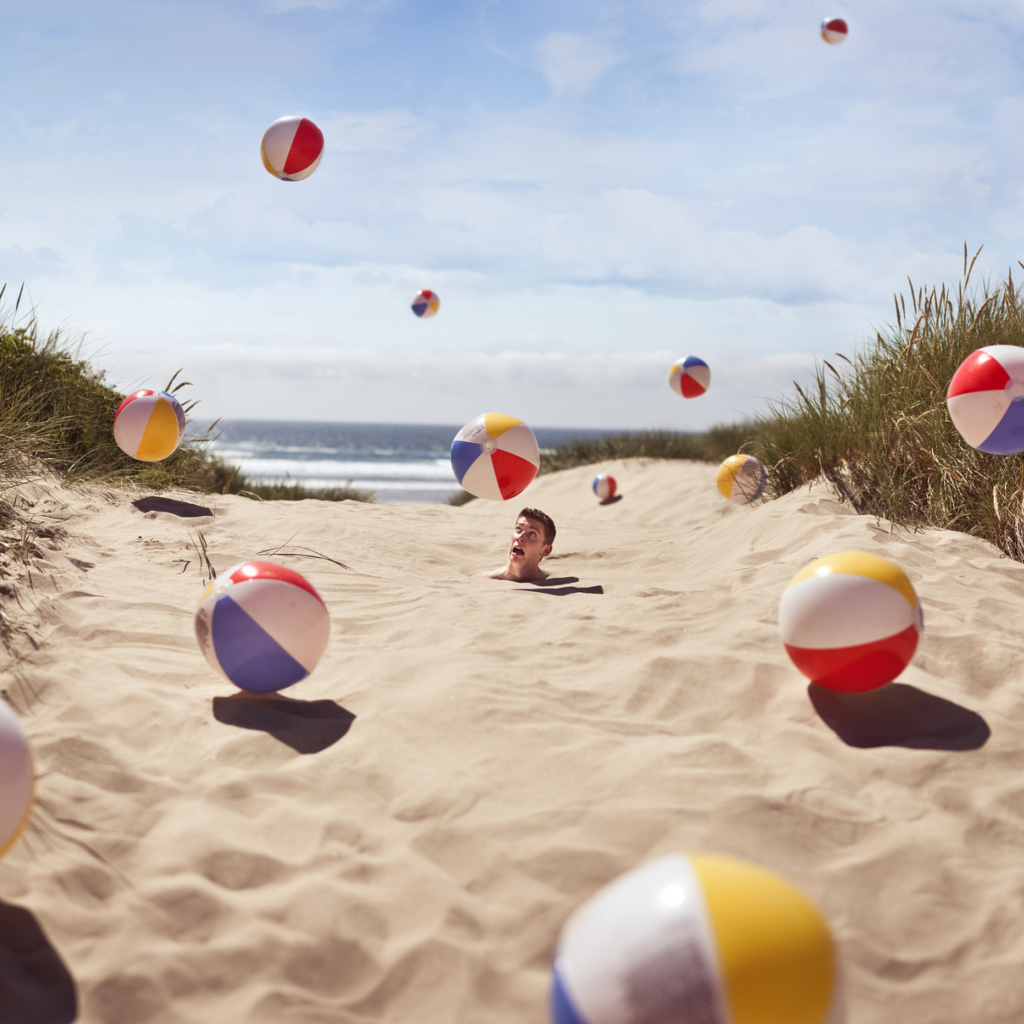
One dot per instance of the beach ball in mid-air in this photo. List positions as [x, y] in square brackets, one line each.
[149, 425]
[291, 148]
[985, 399]
[850, 621]
[426, 304]
[495, 456]
[742, 479]
[696, 940]
[834, 30]
[689, 377]
[262, 625]
[604, 486]
[17, 780]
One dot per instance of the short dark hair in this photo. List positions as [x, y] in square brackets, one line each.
[541, 517]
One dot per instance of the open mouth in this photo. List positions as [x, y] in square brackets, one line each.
[517, 550]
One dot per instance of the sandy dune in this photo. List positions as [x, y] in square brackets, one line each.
[400, 837]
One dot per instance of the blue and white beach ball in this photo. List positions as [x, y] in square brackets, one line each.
[263, 626]
[985, 399]
[17, 779]
[696, 940]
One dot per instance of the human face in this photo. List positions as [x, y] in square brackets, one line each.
[527, 546]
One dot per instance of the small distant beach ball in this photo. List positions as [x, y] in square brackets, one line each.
[689, 377]
[495, 456]
[850, 621]
[426, 304]
[834, 30]
[985, 399]
[263, 626]
[604, 486]
[17, 779]
[696, 940]
[291, 148]
[742, 479]
[149, 425]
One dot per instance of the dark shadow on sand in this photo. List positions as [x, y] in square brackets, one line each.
[611, 501]
[35, 986]
[899, 715]
[307, 726]
[185, 509]
[553, 587]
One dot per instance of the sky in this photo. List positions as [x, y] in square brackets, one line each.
[593, 189]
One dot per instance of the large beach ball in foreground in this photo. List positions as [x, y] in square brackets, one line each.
[495, 456]
[262, 625]
[689, 377]
[985, 399]
[696, 940]
[604, 486]
[17, 780]
[742, 479]
[850, 621]
[834, 30]
[425, 304]
[291, 148]
[149, 425]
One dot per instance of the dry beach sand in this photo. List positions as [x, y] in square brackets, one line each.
[400, 837]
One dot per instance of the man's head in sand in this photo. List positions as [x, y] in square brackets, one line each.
[532, 537]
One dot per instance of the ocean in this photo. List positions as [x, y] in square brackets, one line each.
[397, 461]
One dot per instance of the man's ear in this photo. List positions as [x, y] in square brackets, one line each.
[546, 551]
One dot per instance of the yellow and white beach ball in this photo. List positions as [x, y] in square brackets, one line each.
[17, 780]
[850, 621]
[149, 425]
[696, 940]
[741, 479]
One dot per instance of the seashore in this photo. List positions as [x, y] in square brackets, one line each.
[402, 835]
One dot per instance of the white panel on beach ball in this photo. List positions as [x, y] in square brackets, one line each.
[17, 780]
[696, 940]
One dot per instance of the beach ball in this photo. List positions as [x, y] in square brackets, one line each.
[696, 940]
[149, 425]
[17, 779]
[850, 621]
[291, 148]
[741, 479]
[426, 304]
[262, 625]
[834, 30]
[495, 456]
[689, 377]
[985, 399]
[604, 486]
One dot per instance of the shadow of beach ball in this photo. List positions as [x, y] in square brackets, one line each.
[495, 456]
[604, 486]
[850, 621]
[17, 780]
[149, 425]
[425, 304]
[741, 479]
[291, 148]
[985, 399]
[689, 377]
[696, 940]
[834, 30]
[263, 626]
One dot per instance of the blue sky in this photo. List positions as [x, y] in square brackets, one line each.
[593, 189]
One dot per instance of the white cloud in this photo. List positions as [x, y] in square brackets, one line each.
[572, 63]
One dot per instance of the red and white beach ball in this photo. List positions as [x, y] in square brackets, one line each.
[495, 456]
[604, 486]
[834, 30]
[426, 304]
[850, 621]
[985, 399]
[689, 377]
[263, 626]
[697, 940]
[291, 148]
[149, 425]
[741, 479]
[17, 779]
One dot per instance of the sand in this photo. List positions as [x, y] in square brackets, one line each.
[401, 836]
